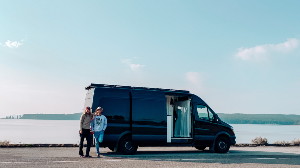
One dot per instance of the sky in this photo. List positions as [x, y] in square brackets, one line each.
[238, 56]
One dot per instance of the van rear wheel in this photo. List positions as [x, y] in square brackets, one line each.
[127, 147]
[222, 145]
[200, 147]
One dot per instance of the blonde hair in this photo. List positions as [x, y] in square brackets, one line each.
[99, 108]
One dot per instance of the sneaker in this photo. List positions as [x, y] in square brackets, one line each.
[87, 156]
[98, 156]
[81, 155]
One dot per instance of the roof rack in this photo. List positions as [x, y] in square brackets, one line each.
[93, 85]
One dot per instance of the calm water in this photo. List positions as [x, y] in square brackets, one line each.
[246, 132]
[66, 131]
[39, 131]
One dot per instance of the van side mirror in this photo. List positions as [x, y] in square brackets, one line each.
[216, 118]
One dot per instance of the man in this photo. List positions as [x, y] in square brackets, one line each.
[84, 131]
[98, 125]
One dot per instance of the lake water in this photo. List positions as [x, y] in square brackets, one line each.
[246, 132]
[66, 131]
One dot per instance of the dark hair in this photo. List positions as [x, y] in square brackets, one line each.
[87, 108]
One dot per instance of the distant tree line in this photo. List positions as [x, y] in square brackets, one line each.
[279, 119]
[75, 116]
[13, 117]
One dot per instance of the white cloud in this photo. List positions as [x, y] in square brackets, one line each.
[195, 82]
[131, 65]
[12, 44]
[194, 78]
[260, 51]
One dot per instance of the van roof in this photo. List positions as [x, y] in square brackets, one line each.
[93, 85]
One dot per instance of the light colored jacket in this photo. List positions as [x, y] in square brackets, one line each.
[99, 123]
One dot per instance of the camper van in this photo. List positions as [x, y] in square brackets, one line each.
[141, 116]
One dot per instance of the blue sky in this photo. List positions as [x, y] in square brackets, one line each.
[239, 56]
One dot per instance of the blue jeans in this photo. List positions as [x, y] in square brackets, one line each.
[99, 139]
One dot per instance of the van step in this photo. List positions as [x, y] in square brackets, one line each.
[181, 140]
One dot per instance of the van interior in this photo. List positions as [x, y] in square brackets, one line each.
[178, 118]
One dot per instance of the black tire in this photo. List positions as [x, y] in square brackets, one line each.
[222, 145]
[200, 147]
[111, 148]
[126, 146]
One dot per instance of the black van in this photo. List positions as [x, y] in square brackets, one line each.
[140, 116]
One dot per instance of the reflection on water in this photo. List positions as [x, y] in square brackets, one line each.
[66, 131]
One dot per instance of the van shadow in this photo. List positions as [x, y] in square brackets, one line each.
[206, 156]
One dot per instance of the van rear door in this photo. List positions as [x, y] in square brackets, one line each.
[116, 107]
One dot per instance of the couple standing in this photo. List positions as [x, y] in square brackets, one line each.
[98, 123]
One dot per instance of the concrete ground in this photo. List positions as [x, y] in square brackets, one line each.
[152, 157]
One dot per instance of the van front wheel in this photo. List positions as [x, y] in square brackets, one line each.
[222, 145]
[127, 147]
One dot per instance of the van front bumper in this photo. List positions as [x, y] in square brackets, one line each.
[232, 140]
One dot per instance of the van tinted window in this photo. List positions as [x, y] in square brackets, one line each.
[115, 104]
[148, 107]
[115, 110]
[211, 115]
[202, 112]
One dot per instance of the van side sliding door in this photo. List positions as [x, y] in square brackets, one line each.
[149, 119]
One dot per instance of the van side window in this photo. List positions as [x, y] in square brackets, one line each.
[211, 115]
[202, 112]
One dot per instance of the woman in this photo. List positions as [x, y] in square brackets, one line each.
[98, 125]
[84, 131]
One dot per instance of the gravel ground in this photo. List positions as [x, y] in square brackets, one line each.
[151, 157]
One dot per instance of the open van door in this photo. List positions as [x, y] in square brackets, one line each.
[149, 119]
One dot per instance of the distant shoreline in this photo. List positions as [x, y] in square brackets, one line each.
[78, 121]
[236, 118]
[76, 145]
